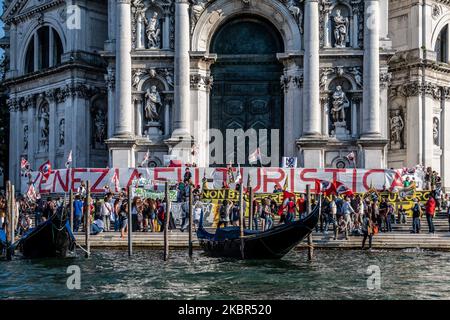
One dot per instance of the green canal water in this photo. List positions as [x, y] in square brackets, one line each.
[410, 274]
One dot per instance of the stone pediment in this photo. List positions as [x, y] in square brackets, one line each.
[23, 8]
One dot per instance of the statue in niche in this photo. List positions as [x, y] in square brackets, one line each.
[436, 131]
[169, 77]
[358, 76]
[153, 32]
[198, 7]
[296, 12]
[100, 127]
[340, 29]
[339, 104]
[44, 128]
[397, 127]
[62, 134]
[153, 101]
[25, 138]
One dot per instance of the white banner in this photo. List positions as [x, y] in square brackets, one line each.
[263, 180]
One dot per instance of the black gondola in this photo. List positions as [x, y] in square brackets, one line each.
[52, 238]
[271, 244]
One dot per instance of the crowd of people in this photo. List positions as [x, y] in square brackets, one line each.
[350, 215]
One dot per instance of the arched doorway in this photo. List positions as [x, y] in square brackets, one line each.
[246, 92]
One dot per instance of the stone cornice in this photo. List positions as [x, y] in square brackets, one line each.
[49, 72]
[417, 88]
[11, 16]
[58, 95]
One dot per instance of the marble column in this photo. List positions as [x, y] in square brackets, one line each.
[325, 120]
[32, 119]
[53, 131]
[355, 28]
[371, 103]
[138, 103]
[326, 26]
[445, 160]
[123, 70]
[182, 69]
[167, 117]
[311, 94]
[166, 32]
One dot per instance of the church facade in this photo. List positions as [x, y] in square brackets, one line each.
[314, 79]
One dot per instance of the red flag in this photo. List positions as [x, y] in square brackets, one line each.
[46, 170]
[286, 196]
[325, 187]
[24, 164]
[341, 189]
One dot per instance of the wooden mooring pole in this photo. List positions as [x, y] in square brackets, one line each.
[130, 221]
[241, 219]
[87, 219]
[191, 214]
[8, 224]
[251, 208]
[310, 239]
[166, 222]
[13, 214]
[71, 209]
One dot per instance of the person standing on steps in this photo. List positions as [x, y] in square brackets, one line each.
[367, 229]
[417, 213]
[430, 209]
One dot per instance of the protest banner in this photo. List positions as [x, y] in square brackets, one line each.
[263, 180]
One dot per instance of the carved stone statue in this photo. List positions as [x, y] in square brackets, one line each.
[397, 127]
[169, 77]
[137, 77]
[340, 29]
[358, 76]
[62, 134]
[296, 12]
[153, 101]
[198, 7]
[339, 103]
[153, 32]
[436, 131]
[44, 128]
[100, 127]
[25, 138]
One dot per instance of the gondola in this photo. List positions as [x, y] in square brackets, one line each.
[271, 244]
[52, 238]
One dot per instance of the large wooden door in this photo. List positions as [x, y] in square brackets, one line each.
[246, 92]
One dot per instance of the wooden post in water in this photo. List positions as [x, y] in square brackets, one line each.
[191, 209]
[8, 220]
[250, 212]
[87, 218]
[71, 209]
[310, 240]
[166, 222]
[241, 219]
[130, 222]
[13, 214]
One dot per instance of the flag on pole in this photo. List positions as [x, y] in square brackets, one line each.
[255, 156]
[230, 174]
[31, 194]
[351, 158]
[325, 187]
[146, 158]
[239, 176]
[69, 160]
[24, 164]
[46, 170]
[286, 183]
[342, 189]
[115, 180]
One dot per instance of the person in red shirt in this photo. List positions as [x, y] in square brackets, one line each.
[301, 205]
[430, 209]
[290, 210]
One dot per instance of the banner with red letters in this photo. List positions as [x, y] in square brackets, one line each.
[263, 180]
